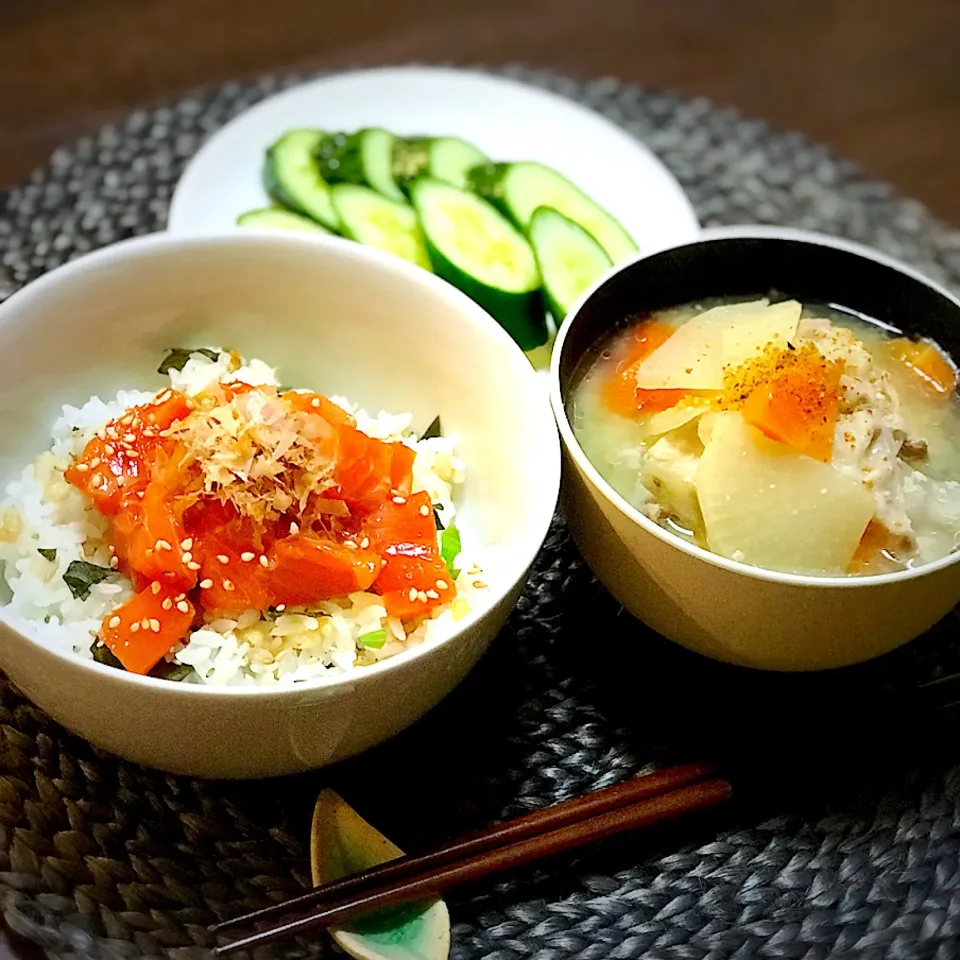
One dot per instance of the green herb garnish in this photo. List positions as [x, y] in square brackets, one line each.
[434, 430]
[47, 554]
[450, 549]
[168, 670]
[177, 357]
[101, 653]
[80, 576]
[375, 639]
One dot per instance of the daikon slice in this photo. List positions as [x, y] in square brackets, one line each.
[746, 334]
[657, 424]
[692, 359]
[768, 506]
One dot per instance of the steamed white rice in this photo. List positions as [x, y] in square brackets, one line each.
[41, 511]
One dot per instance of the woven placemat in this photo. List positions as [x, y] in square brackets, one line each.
[846, 841]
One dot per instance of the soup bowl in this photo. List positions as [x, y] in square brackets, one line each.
[727, 610]
[332, 316]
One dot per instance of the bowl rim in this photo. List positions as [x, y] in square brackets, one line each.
[575, 451]
[537, 522]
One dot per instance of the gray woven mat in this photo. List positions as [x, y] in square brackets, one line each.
[847, 837]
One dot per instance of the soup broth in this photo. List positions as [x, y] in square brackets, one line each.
[797, 438]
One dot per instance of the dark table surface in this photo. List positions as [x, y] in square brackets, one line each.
[878, 80]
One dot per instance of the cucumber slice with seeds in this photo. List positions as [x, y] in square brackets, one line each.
[449, 159]
[375, 221]
[570, 260]
[292, 177]
[476, 249]
[277, 219]
[365, 157]
[519, 188]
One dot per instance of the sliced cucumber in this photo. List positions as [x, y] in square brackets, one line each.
[570, 260]
[365, 157]
[519, 188]
[444, 158]
[375, 221]
[277, 219]
[292, 177]
[476, 249]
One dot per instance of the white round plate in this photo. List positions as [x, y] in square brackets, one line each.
[505, 119]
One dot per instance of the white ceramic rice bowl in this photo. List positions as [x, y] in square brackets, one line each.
[333, 316]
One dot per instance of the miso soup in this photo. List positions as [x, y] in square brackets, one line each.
[791, 437]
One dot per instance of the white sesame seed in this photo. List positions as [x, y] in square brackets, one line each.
[442, 585]
[183, 606]
[180, 596]
[294, 529]
[155, 625]
[281, 607]
[349, 544]
[155, 588]
[186, 544]
[82, 468]
[145, 623]
[364, 543]
[113, 623]
[206, 584]
[186, 557]
[223, 558]
[129, 438]
[167, 604]
[412, 595]
[110, 449]
[247, 556]
[479, 584]
[421, 596]
[315, 402]
[134, 627]
[228, 586]
[399, 499]
[95, 462]
[163, 545]
[193, 565]
[97, 481]
[433, 595]
[114, 562]
[264, 562]
[424, 511]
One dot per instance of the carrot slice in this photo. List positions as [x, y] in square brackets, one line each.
[926, 361]
[620, 392]
[799, 406]
[148, 626]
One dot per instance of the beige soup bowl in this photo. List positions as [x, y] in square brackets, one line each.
[718, 607]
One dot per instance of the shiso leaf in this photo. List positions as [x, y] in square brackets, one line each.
[80, 576]
[47, 554]
[434, 430]
[177, 357]
[343, 843]
[101, 653]
[166, 670]
[450, 549]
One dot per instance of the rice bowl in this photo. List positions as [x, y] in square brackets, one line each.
[326, 313]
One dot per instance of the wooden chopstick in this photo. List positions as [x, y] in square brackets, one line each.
[540, 821]
[430, 883]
